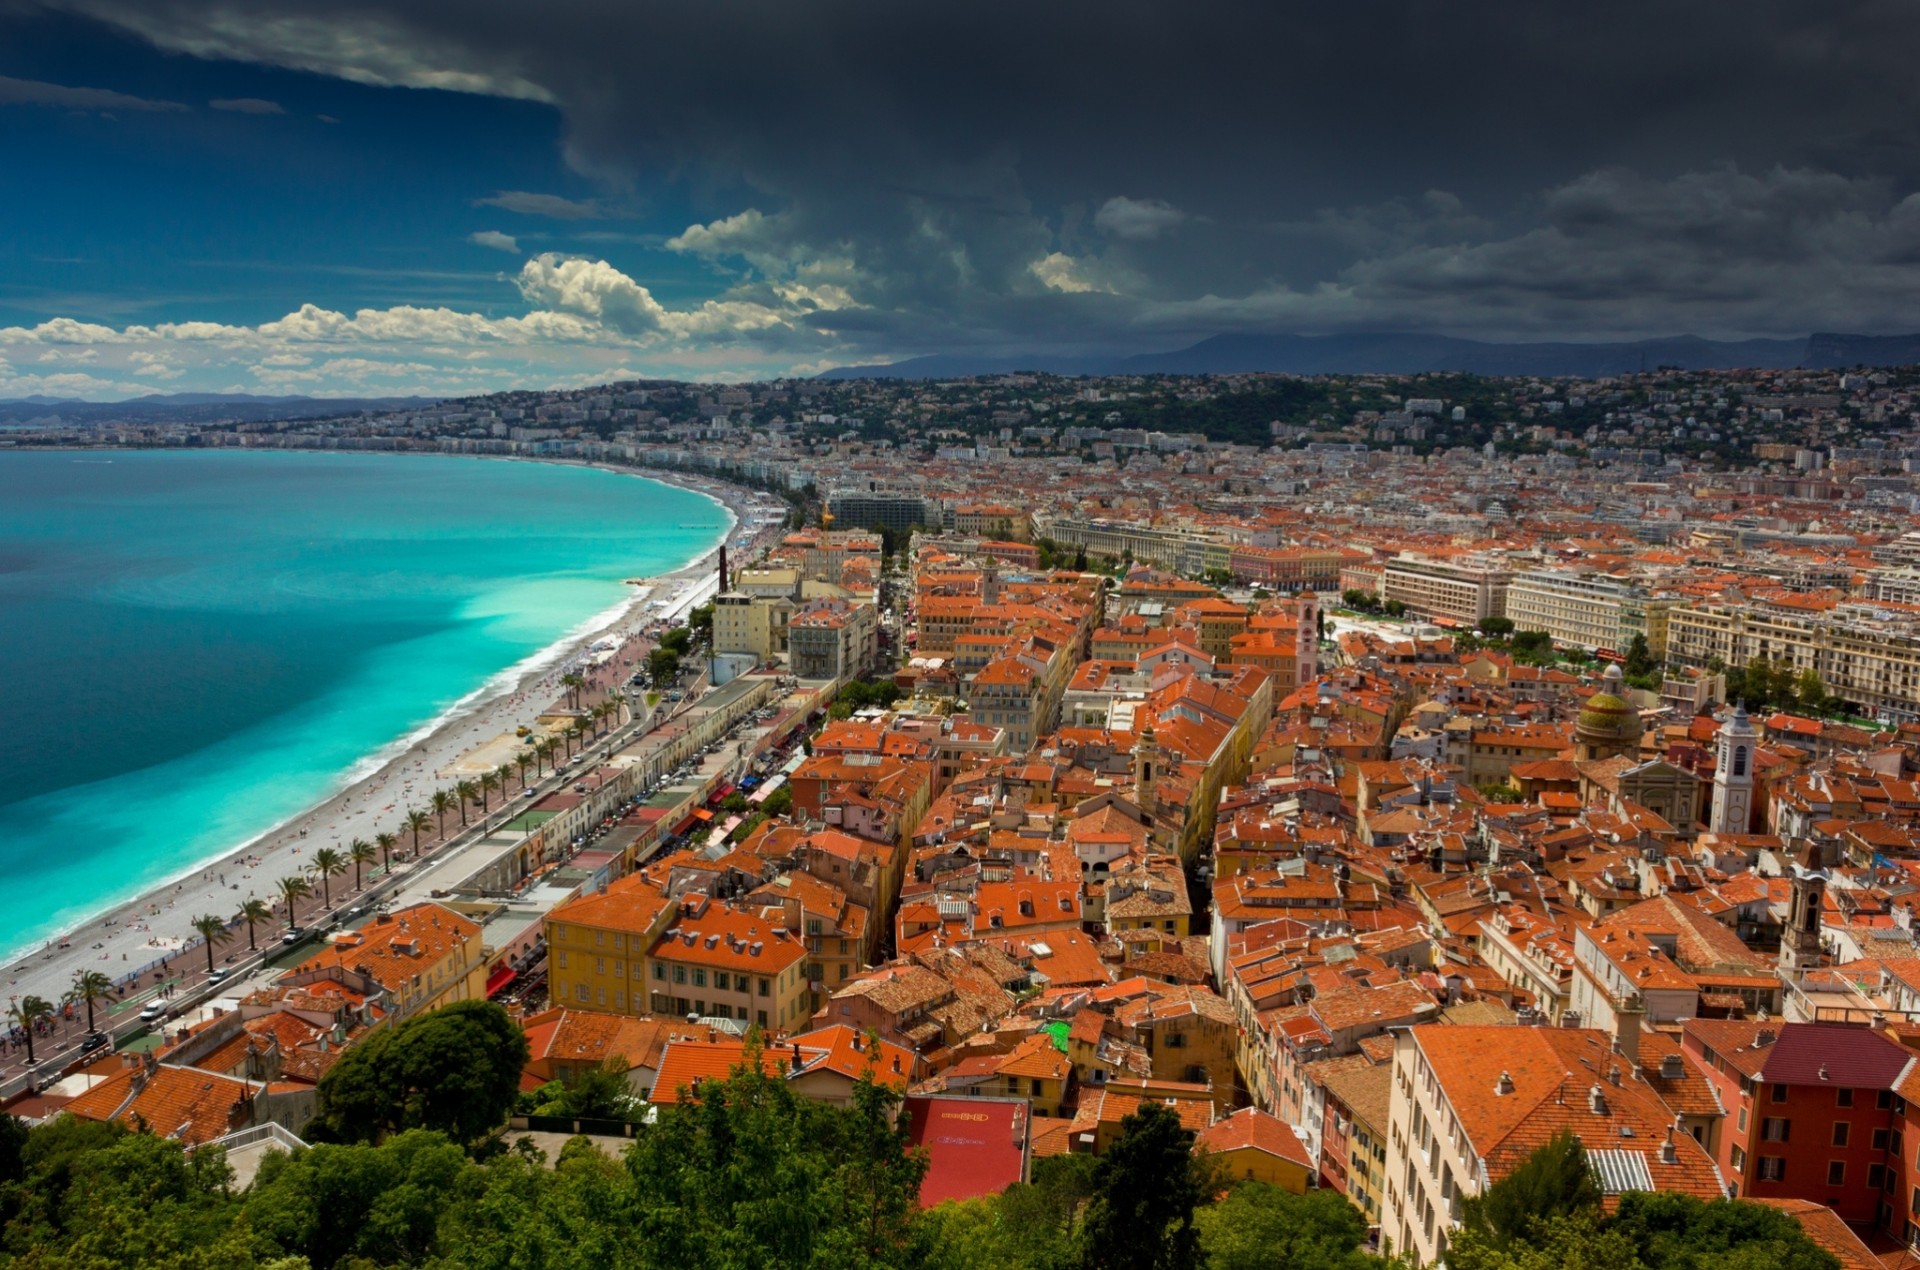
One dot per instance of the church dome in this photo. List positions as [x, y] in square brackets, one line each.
[1607, 721]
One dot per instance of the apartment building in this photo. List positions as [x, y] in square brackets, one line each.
[417, 959]
[1863, 656]
[597, 945]
[750, 624]
[1469, 1104]
[1468, 591]
[1584, 610]
[715, 960]
[833, 639]
[882, 509]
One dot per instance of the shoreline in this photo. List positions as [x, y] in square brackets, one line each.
[128, 935]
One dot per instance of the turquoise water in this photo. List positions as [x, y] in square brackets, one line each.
[195, 646]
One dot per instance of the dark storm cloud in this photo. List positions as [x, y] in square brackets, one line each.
[1008, 174]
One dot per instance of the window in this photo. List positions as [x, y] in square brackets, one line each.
[679, 974]
[764, 987]
[1841, 1132]
[1836, 1172]
[1877, 1176]
[580, 993]
[1774, 1129]
[760, 1017]
[563, 961]
[1880, 1137]
[1843, 1098]
[1773, 1168]
[1779, 1093]
[1739, 1159]
[1743, 1119]
[699, 976]
[599, 965]
[1883, 1099]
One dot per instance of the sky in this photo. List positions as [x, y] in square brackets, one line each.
[356, 197]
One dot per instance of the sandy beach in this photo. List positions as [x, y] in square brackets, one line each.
[138, 934]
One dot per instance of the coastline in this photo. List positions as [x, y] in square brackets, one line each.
[372, 794]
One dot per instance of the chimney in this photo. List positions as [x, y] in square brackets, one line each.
[1504, 1085]
[1667, 1153]
[1672, 1067]
[797, 1062]
[1596, 1100]
[1764, 1037]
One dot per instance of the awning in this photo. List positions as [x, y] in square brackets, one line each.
[500, 978]
[701, 813]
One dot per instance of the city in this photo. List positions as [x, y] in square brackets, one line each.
[1460, 768]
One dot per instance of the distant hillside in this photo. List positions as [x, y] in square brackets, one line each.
[194, 407]
[1406, 353]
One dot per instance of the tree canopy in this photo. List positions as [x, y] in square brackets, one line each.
[455, 1070]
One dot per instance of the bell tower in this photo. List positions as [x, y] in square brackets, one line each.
[1306, 645]
[1800, 948]
[1733, 774]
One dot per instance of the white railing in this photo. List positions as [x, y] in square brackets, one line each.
[272, 1131]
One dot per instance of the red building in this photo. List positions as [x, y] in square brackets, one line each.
[1813, 1112]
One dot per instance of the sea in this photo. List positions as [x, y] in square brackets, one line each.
[197, 645]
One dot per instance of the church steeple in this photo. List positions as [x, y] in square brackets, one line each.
[1733, 774]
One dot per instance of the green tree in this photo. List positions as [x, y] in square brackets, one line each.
[1394, 608]
[30, 1012]
[678, 640]
[378, 1205]
[1639, 660]
[212, 930]
[1497, 626]
[293, 890]
[1554, 1181]
[1812, 693]
[1261, 1227]
[361, 853]
[1668, 1230]
[1146, 1189]
[417, 823]
[442, 802]
[1563, 1241]
[89, 987]
[386, 842]
[253, 910]
[467, 792]
[455, 1070]
[663, 664]
[328, 864]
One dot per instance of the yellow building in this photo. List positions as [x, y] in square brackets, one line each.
[597, 945]
[718, 961]
[418, 959]
[1255, 1145]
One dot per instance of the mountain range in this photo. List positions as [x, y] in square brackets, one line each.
[193, 407]
[1407, 353]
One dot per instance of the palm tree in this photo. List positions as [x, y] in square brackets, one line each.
[251, 911]
[488, 783]
[361, 852]
[29, 1012]
[386, 842]
[543, 750]
[327, 865]
[418, 822]
[573, 684]
[500, 775]
[293, 890]
[88, 987]
[442, 804]
[468, 793]
[572, 734]
[521, 760]
[214, 931]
